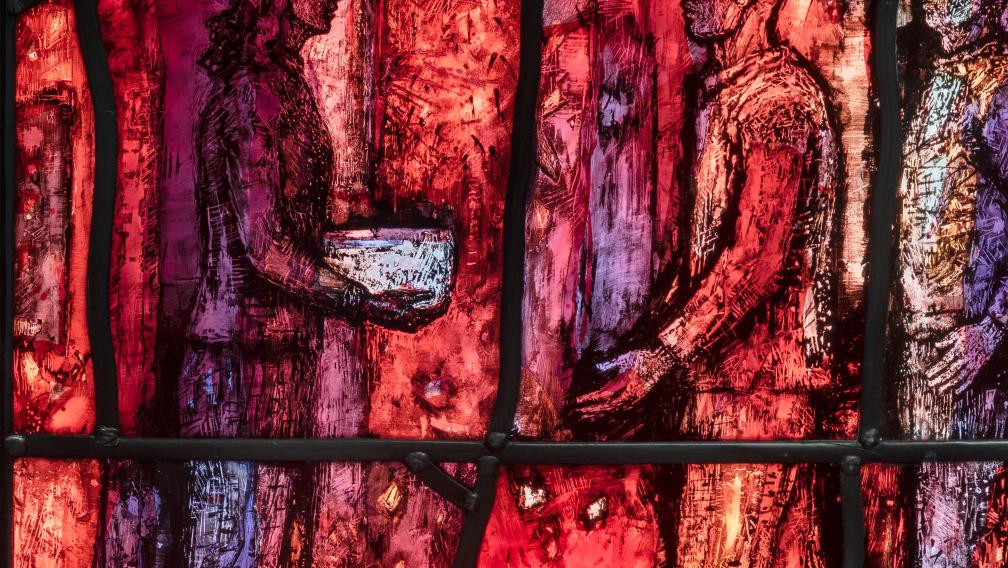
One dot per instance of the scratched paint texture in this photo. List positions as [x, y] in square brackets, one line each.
[393, 520]
[947, 326]
[945, 515]
[54, 130]
[699, 204]
[388, 114]
[629, 516]
[656, 276]
[694, 270]
[55, 504]
[247, 132]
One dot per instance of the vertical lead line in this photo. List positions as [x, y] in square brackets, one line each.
[883, 211]
[102, 214]
[520, 179]
[522, 174]
[852, 512]
[475, 525]
[7, 398]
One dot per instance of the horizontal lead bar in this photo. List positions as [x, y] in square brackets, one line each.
[527, 452]
[241, 449]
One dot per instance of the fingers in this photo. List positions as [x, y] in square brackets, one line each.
[403, 309]
[613, 395]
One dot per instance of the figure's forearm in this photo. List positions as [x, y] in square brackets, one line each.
[289, 268]
[728, 294]
[747, 272]
[977, 344]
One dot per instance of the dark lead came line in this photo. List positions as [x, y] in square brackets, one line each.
[102, 214]
[522, 175]
[519, 452]
[520, 179]
[883, 212]
[852, 512]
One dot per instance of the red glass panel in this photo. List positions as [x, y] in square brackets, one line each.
[645, 516]
[133, 46]
[210, 514]
[54, 154]
[696, 232]
[56, 512]
[373, 134]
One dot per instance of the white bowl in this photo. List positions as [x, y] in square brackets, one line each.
[384, 259]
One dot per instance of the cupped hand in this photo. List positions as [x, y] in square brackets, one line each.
[401, 309]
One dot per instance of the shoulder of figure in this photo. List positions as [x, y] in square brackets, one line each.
[779, 101]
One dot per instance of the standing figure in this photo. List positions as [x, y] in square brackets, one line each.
[264, 191]
[746, 339]
[953, 273]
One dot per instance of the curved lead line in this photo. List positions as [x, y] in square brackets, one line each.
[439, 481]
[520, 178]
[102, 214]
[474, 527]
[522, 174]
[880, 261]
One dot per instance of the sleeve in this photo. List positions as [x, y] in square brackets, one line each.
[248, 159]
[769, 177]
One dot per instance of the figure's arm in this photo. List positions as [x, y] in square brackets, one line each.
[244, 163]
[253, 178]
[959, 353]
[958, 356]
[744, 275]
[279, 259]
[748, 270]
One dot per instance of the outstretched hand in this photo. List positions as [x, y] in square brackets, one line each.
[617, 384]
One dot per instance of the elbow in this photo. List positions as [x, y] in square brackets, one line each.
[258, 252]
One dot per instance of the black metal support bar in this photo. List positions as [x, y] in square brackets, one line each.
[106, 156]
[852, 512]
[522, 175]
[883, 218]
[519, 452]
[474, 528]
[438, 480]
[250, 449]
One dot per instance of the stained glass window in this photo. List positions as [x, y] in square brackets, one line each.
[319, 283]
